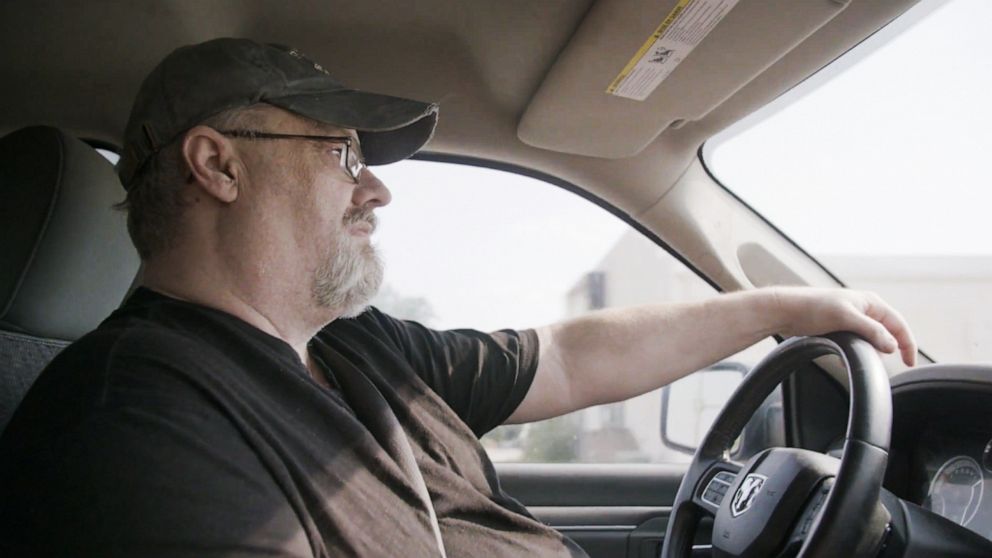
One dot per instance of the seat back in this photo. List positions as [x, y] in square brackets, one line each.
[66, 261]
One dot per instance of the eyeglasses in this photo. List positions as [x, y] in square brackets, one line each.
[349, 156]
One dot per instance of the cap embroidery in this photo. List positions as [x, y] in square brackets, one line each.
[300, 56]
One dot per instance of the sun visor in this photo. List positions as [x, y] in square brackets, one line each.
[635, 68]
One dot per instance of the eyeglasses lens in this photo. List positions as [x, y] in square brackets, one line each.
[354, 163]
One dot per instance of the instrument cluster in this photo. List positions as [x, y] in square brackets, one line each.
[954, 476]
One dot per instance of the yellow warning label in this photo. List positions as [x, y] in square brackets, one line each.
[684, 27]
[647, 45]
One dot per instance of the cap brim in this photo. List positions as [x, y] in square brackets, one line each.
[389, 128]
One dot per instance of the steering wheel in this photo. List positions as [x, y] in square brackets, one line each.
[785, 501]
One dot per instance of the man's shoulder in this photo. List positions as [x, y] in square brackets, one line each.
[118, 366]
[140, 358]
[119, 340]
[375, 330]
[371, 323]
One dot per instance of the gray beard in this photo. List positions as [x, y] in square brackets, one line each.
[348, 280]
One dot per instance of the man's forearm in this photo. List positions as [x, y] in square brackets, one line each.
[652, 346]
[615, 354]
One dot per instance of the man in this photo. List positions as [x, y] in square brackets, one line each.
[243, 401]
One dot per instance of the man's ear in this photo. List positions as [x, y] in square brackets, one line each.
[213, 163]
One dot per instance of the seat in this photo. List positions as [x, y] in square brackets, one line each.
[66, 261]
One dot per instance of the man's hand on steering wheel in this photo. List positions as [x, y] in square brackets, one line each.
[815, 311]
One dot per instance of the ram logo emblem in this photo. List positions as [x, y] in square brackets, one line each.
[745, 495]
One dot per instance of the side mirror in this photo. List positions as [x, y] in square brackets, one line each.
[690, 405]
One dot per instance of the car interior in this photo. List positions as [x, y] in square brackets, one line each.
[547, 89]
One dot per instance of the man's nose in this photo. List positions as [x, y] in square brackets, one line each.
[371, 191]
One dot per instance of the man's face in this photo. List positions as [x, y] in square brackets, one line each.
[352, 272]
[318, 213]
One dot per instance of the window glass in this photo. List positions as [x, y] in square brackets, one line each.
[878, 166]
[472, 247]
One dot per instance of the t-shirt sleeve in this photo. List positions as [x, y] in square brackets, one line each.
[482, 376]
[161, 475]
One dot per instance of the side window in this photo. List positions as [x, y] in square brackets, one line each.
[473, 247]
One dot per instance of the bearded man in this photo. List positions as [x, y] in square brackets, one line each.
[244, 400]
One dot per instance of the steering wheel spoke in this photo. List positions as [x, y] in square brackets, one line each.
[809, 515]
[715, 484]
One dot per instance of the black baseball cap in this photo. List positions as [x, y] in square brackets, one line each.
[198, 81]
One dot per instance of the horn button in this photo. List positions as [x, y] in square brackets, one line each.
[772, 491]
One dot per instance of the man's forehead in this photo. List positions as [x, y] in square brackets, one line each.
[330, 130]
[314, 127]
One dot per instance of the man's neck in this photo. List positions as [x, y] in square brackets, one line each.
[272, 308]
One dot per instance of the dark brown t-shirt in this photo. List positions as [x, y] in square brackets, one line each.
[178, 430]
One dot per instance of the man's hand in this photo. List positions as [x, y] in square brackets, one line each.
[809, 311]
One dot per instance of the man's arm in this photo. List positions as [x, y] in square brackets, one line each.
[612, 355]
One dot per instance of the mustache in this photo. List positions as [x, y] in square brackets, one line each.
[361, 215]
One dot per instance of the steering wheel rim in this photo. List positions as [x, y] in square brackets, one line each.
[805, 499]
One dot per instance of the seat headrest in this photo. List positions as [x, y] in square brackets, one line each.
[66, 261]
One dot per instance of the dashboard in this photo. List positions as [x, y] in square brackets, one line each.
[941, 448]
[954, 482]
[941, 455]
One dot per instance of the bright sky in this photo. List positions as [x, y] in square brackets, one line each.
[895, 149]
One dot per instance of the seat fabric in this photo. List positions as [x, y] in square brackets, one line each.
[65, 258]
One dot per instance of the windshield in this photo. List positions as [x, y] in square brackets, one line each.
[878, 167]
